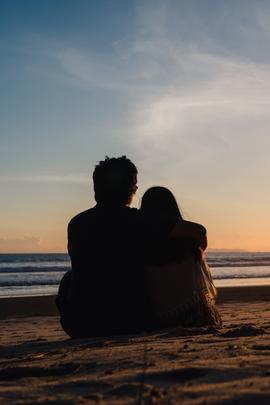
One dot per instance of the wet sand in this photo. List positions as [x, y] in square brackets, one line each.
[230, 365]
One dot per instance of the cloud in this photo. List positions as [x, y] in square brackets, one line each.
[210, 121]
[189, 98]
[26, 243]
[79, 178]
[221, 88]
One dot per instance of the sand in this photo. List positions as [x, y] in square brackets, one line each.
[231, 365]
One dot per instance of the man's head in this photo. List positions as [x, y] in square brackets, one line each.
[115, 181]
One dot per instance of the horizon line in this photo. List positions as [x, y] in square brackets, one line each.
[208, 249]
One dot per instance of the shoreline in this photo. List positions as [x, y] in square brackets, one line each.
[45, 305]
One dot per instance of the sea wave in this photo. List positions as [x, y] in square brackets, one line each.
[33, 257]
[246, 259]
[239, 275]
[9, 283]
[34, 269]
[47, 262]
[238, 263]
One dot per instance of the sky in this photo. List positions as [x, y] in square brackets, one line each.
[181, 87]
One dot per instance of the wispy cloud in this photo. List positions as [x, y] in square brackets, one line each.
[80, 178]
[26, 243]
[188, 102]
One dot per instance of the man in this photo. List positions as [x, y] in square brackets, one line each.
[106, 244]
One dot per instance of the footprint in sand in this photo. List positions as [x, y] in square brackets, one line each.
[178, 375]
[261, 347]
[133, 390]
[14, 373]
[91, 385]
[124, 390]
[244, 330]
[249, 399]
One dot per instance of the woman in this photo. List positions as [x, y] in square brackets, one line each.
[178, 280]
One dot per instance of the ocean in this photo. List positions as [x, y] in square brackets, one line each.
[40, 274]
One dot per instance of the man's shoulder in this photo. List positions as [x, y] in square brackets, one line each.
[81, 217]
[96, 211]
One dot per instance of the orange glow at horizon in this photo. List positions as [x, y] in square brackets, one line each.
[55, 240]
[43, 228]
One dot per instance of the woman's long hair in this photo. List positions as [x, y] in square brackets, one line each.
[160, 200]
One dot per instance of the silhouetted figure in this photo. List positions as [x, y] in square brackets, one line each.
[105, 291]
[177, 278]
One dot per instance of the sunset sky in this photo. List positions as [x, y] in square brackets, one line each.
[182, 87]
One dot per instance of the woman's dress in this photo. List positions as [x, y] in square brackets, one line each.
[181, 292]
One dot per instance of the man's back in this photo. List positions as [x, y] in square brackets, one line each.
[102, 236]
[106, 246]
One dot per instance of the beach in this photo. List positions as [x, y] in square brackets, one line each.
[40, 364]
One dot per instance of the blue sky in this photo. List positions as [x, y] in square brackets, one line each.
[181, 87]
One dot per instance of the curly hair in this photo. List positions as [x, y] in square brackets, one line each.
[115, 180]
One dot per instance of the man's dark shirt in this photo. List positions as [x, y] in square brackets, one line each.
[107, 247]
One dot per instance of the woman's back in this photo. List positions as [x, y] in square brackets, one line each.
[178, 281]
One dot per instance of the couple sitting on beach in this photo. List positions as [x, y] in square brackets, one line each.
[134, 269]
